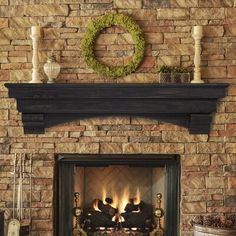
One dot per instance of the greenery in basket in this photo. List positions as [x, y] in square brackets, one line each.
[222, 221]
[172, 69]
[173, 74]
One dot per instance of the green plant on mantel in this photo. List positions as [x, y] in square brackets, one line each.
[172, 69]
[93, 30]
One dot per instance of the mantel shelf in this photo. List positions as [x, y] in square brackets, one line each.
[188, 105]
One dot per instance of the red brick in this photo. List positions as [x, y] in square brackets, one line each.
[148, 62]
[232, 182]
[232, 90]
[231, 72]
[231, 130]
[4, 75]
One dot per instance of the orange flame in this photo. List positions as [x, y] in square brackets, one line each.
[115, 202]
[121, 219]
[114, 218]
[137, 198]
[119, 202]
[118, 218]
[104, 195]
[95, 205]
[124, 200]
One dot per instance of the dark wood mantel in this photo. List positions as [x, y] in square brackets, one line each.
[187, 105]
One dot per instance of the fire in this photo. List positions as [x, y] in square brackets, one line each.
[137, 198]
[115, 202]
[118, 202]
[118, 218]
[124, 200]
[104, 195]
[95, 205]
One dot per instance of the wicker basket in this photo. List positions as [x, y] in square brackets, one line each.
[200, 230]
[174, 77]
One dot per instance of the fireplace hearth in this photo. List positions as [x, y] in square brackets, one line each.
[117, 195]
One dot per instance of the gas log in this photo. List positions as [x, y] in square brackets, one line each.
[131, 207]
[100, 215]
[99, 219]
[135, 215]
[139, 215]
[107, 209]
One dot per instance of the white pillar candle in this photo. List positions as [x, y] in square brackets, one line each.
[35, 35]
[35, 30]
[197, 35]
[197, 30]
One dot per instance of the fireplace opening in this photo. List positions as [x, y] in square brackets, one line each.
[117, 195]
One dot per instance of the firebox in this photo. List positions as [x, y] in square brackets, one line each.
[117, 195]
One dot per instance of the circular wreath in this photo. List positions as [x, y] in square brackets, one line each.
[92, 32]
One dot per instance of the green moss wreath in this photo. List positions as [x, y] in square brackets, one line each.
[94, 28]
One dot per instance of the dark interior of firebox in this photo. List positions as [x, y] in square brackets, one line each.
[118, 198]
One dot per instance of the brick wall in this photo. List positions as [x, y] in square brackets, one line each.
[208, 161]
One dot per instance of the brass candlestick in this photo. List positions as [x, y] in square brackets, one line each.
[77, 212]
[158, 214]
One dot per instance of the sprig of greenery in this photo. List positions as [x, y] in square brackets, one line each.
[172, 69]
[93, 30]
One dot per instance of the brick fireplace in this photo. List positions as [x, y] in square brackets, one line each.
[43, 106]
[208, 161]
[143, 136]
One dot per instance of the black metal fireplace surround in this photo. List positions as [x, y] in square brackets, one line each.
[64, 184]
